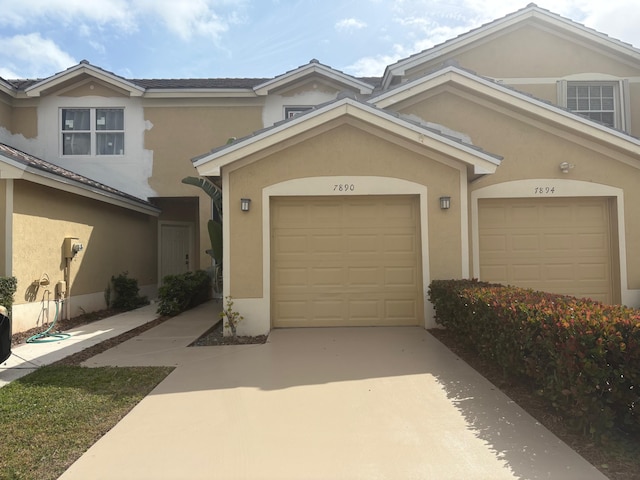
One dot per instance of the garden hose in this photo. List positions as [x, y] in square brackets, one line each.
[46, 336]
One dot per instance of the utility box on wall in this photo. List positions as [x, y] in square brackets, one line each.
[71, 247]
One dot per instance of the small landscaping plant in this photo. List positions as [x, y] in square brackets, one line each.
[582, 356]
[230, 317]
[126, 293]
[8, 287]
[179, 293]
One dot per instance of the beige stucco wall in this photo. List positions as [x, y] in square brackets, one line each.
[3, 227]
[533, 149]
[531, 52]
[205, 127]
[341, 149]
[24, 121]
[5, 112]
[115, 240]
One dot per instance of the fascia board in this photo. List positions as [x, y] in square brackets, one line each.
[545, 111]
[8, 89]
[605, 41]
[291, 77]
[211, 165]
[36, 89]
[199, 93]
[10, 169]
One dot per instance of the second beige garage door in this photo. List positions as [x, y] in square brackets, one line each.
[555, 245]
[346, 261]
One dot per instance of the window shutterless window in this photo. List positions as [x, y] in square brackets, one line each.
[290, 112]
[92, 131]
[605, 102]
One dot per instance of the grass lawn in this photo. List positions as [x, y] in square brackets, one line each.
[49, 418]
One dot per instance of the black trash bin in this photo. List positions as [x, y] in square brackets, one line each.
[5, 337]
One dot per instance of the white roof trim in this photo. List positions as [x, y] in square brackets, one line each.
[311, 68]
[84, 68]
[531, 11]
[18, 170]
[519, 100]
[211, 164]
[7, 88]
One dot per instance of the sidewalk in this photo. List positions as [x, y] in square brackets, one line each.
[27, 357]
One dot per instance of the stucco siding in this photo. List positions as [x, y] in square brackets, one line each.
[532, 52]
[534, 150]
[115, 240]
[343, 149]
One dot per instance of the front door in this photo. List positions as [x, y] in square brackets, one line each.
[175, 248]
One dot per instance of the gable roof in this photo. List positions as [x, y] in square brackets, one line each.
[314, 67]
[528, 13]
[20, 165]
[83, 68]
[500, 93]
[210, 164]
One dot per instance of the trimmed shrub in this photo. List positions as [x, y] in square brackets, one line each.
[126, 293]
[179, 293]
[582, 356]
[8, 286]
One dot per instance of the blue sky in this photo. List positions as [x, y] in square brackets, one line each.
[255, 38]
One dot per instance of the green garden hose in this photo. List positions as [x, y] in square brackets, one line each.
[46, 336]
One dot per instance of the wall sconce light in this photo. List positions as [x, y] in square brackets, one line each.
[245, 203]
[445, 203]
[566, 166]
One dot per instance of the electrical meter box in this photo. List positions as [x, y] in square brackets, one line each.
[71, 247]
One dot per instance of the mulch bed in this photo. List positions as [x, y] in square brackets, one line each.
[215, 336]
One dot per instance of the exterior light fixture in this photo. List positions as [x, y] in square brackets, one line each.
[245, 204]
[445, 203]
[566, 166]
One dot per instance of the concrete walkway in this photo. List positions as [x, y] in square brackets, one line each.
[334, 403]
[28, 357]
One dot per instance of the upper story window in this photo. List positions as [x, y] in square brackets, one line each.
[290, 112]
[92, 131]
[598, 101]
[605, 102]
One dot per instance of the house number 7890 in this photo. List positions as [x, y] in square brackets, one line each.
[344, 187]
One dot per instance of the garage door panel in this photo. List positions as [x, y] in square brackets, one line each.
[400, 276]
[525, 242]
[560, 245]
[365, 277]
[525, 273]
[358, 265]
[363, 244]
[291, 277]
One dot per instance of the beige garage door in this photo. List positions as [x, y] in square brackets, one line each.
[554, 245]
[345, 261]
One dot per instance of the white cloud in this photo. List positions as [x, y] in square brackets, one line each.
[350, 24]
[36, 56]
[67, 12]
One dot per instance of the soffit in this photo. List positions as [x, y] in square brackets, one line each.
[531, 14]
[532, 107]
[80, 72]
[317, 70]
[412, 132]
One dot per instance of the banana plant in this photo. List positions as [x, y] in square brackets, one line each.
[214, 226]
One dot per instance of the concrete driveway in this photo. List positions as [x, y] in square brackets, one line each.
[335, 403]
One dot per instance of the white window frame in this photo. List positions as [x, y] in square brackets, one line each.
[291, 111]
[622, 108]
[92, 131]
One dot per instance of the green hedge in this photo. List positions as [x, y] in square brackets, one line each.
[582, 356]
[8, 287]
[179, 293]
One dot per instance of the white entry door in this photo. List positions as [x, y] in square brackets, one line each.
[175, 249]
